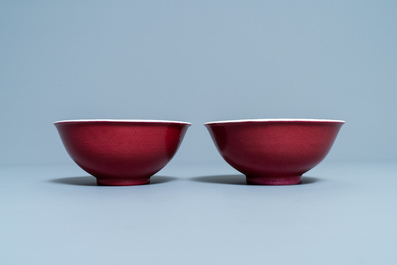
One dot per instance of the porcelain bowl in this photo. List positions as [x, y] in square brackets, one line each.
[274, 151]
[121, 152]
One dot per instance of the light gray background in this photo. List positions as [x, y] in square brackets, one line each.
[343, 213]
[197, 61]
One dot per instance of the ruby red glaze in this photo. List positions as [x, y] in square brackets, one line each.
[274, 152]
[121, 152]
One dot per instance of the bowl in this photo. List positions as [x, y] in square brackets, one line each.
[274, 151]
[121, 152]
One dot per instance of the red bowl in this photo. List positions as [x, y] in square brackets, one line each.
[121, 152]
[274, 151]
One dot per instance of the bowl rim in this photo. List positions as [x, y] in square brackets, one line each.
[122, 121]
[274, 120]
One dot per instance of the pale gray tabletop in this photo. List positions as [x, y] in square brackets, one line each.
[203, 213]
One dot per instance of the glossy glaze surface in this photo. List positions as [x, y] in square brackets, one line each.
[121, 152]
[274, 152]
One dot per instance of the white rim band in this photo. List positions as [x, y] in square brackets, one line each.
[273, 120]
[115, 120]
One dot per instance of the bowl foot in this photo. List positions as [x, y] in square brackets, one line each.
[279, 180]
[122, 182]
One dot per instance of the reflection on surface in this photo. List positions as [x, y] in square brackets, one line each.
[91, 181]
[240, 179]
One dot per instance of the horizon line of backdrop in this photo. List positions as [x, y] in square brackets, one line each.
[197, 62]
